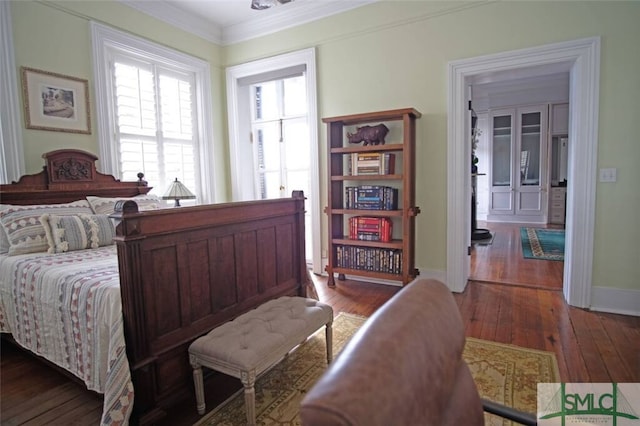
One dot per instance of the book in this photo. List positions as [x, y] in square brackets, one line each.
[370, 228]
[371, 197]
[369, 259]
[372, 163]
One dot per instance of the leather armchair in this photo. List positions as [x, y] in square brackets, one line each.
[403, 367]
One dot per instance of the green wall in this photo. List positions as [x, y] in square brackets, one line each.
[394, 54]
[386, 55]
[55, 36]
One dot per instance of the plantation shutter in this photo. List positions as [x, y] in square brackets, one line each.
[156, 122]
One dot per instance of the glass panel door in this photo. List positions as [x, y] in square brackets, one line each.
[282, 143]
[530, 149]
[501, 155]
[531, 162]
[267, 141]
[502, 169]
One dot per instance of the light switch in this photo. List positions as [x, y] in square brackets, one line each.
[608, 175]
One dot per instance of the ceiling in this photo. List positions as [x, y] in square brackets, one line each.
[231, 21]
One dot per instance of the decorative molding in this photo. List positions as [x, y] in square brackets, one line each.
[71, 169]
[177, 17]
[615, 301]
[279, 18]
[583, 57]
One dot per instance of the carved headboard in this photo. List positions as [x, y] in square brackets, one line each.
[68, 175]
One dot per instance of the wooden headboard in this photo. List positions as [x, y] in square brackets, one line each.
[68, 175]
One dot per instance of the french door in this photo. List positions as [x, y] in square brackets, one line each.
[518, 164]
[281, 142]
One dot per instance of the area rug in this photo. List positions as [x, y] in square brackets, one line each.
[509, 374]
[545, 244]
[503, 373]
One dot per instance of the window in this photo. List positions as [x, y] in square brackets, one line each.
[154, 112]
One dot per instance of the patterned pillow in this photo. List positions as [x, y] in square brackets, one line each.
[25, 233]
[79, 232]
[102, 205]
[4, 240]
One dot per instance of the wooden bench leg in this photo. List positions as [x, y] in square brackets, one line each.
[248, 379]
[198, 382]
[329, 336]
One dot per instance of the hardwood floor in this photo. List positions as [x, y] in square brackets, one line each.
[502, 260]
[589, 346]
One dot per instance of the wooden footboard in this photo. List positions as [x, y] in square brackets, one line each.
[186, 270]
[182, 270]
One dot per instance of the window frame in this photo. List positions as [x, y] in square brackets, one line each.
[12, 164]
[106, 40]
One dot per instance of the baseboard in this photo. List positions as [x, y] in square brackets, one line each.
[615, 300]
[433, 274]
[537, 220]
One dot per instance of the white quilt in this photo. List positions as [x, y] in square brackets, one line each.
[66, 307]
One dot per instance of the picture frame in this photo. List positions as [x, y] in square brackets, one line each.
[55, 102]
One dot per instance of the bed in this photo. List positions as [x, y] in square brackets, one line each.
[121, 316]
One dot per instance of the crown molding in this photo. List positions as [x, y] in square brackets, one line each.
[273, 20]
[177, 17]
[291, 15]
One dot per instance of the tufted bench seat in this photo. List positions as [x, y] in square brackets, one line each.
[255, 341]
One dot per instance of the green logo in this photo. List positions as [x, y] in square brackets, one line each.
[587, 403]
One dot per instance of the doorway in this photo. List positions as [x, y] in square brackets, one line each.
[513, 119]
[582, 58]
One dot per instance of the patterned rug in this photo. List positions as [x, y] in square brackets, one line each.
[546, 244]
[503, 373]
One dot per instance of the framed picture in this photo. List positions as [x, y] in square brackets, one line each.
[55, 102]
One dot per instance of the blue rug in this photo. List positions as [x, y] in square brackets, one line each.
[545, 244]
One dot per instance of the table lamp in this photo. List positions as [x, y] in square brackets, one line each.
[177, 191]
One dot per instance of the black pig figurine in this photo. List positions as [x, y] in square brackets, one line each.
[373, 135]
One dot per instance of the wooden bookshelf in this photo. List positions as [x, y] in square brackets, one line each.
[393, 260]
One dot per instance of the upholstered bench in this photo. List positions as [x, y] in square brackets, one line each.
[253, 342]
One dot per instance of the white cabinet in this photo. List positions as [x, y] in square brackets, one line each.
[518, 171]
[558, 161]
[560, 119]
[557, 205]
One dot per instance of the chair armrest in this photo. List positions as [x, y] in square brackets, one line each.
[509, 413]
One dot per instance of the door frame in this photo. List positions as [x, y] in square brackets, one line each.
[582, 58]
[237, 122]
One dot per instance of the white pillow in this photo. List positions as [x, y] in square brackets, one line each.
[101, 205]
[79, 232]
[25, 233]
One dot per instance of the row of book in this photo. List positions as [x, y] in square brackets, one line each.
[369, 259]
[371, 197]
[366, 228]
[372, 163]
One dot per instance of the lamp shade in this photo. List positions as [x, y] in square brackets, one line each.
[177, 191]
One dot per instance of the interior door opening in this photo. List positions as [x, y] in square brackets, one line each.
[582, 59]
